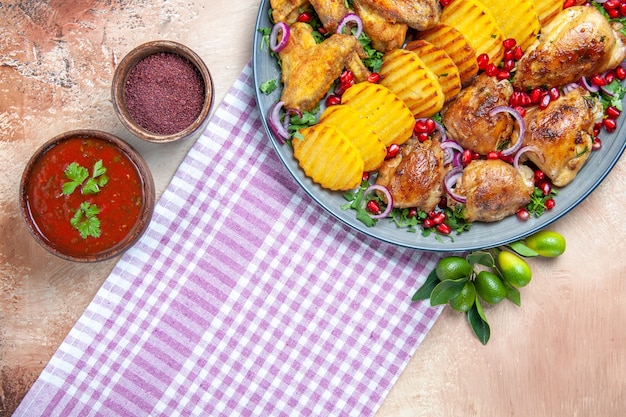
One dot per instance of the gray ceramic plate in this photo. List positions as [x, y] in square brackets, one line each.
[482, 235]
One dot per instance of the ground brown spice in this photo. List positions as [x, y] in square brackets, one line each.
[164, 93]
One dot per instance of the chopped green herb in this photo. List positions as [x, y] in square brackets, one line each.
[77, 175]
[85, 220]
[269, 86]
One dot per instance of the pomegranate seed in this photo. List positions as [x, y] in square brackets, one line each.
[467, 157]
[622, 9]
[366, 176]
[428, 223]
[545, 101]
[598, 80]
[444, 229]
[439, 218]
[508, 54]
[374, 78]
[508, 65]
[424, 126]
[493, 155]
[535, 95]
[509, 43]
[597, 144]
[491, 70]
[612, 112]
[569, 3]
[445, 3]
[412, 213]
[526, 100]
[502, 74]
[620, 73]
[373, 207]
[516, 99]
[483, 61]
[550, 203]
[518, 53]
[523, 214]
[304, 17]
[333, 100]
[609, 76]
[545, 187]
[443, 203]
[392, 150]
[346, 76]
[539, 176]
[521, 110]
[610, 125]
[554, 93]
[422, 137]
[611, 4]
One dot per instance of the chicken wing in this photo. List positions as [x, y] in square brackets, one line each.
[494, 190]
[564, 134]
[385, 35]
[414, 176]
[309, 69]
[578, 42]
[418, 14]
[467, 117]
[330, 12]
[287, 10]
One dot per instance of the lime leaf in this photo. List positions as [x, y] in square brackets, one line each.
[481, 258]
[523, 250]
[447, 290]
[427, 288]
[477, 321]
[512, 293]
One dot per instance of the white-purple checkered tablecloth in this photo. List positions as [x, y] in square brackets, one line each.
[243, 298]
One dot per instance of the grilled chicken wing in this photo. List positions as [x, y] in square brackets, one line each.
[414, 176]
[385, 35]
[287, 10]
[564, 134]
[418, 14]
[467, 117]
[494, 189]
[578, 42]
[330, 12]
[309, 69]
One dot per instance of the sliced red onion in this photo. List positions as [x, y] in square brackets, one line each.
[449, 146]
[588, 86]
[279, 27]
[530, 148]
[388, 197]
[568, 88]
[607, 91]
[351, 18]
[520, 122]
[279, 129]
[450, 181]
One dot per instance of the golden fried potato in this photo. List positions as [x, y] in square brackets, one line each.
[388, 114]
[477, 24]
[456, 46]
[547, 9]
[440, 63]
[328, 157]
[517, 18]
[360, 132]
[404, 73]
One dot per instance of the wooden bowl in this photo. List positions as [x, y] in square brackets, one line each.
[65, 192]
[151, 130]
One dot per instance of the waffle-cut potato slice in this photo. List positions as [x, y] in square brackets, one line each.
[456, 46]
[404, 73]
[440, 64]
[388, 114]
[360, 132]
[328, 157]
[477, 24]
[547, 9]
[517, 18]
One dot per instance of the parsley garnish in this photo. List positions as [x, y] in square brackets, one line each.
[537, 205]
[85, 220]
[269, 86]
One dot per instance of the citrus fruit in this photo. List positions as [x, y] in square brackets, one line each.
[466, 298]
[546, 243]
[514, 269]
[452, 267]
[490, 287]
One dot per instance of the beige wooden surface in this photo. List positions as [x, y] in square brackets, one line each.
[563, 353]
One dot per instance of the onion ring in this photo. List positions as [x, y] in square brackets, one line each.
[591, 88]
[388, 197]
[520, 122]
[278, 128]
[529, 148]
[351, 18]
[450, 181]
[449, 146]
[279, 27]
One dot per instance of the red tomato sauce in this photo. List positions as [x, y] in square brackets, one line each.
[120, 200]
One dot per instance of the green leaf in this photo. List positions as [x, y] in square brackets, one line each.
[427, 287]
[478, 322]
[90, 187]
[446, 290]
[269, 86]
[77, 175]
[85, 220]
[523, 250]
[481, 258]
[98, 169]
[512, 293]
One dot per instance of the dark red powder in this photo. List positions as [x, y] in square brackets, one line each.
[164, 93]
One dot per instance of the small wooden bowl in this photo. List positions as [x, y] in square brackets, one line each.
[47, 209]
[119, 85]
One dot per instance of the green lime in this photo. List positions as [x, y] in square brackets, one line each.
[466, 298]
[490, 287]
[546, 243]
[452, 267]
[514, 269]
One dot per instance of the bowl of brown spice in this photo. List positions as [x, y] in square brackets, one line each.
[162, 92]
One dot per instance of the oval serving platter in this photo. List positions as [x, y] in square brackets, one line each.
[481, 235]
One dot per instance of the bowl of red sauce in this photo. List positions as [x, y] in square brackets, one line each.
[162, 91]
[86, 195]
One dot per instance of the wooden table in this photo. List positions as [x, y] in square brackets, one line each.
[563, 353]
